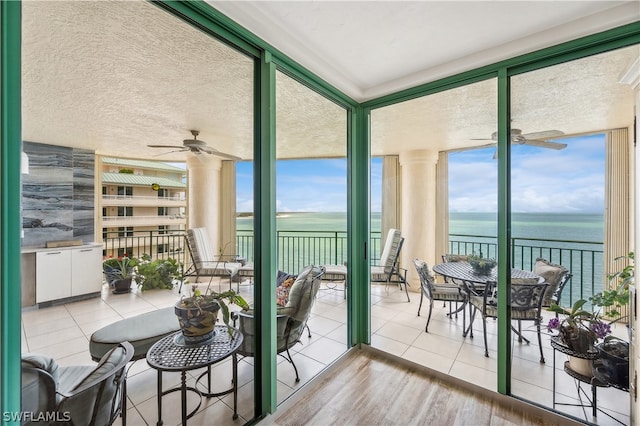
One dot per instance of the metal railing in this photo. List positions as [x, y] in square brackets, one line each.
[583, 259]
[297, 249]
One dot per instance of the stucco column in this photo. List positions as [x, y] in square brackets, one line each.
[204, 195]
[418, 210]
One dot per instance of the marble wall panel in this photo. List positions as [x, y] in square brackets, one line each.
[57, 195]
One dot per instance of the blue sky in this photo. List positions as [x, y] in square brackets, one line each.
[543, 180]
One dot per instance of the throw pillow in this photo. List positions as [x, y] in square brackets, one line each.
[282, 291]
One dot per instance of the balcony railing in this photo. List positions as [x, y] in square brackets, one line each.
[584, 259]
[135, 200]
[174, 219]
[299, 248]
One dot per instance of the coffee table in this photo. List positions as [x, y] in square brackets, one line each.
[172, 354]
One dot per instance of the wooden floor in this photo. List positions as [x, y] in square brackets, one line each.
[369, 389]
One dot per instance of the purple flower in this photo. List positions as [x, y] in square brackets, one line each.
[554, 324]
[602, 329]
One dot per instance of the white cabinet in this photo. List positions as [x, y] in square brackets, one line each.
[53, 275]
[67, 272]
[86, 270]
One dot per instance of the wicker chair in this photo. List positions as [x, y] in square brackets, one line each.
[433, 291]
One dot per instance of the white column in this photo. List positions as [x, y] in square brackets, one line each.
[418, 210]
[204, 195]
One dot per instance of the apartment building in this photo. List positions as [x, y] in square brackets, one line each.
[143, 207]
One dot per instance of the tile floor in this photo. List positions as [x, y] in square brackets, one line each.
[63, 332]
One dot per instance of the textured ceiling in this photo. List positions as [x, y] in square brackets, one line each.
[117, 76]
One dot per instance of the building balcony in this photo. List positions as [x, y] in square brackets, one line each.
[122, 221]
[141, 201]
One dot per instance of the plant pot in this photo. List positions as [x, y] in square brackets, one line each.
[122, 285]
[578, 340]
[613, 364]
[197, 324]
[581, 366]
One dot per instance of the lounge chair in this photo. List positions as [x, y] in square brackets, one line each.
[205, 262]
[389, 271]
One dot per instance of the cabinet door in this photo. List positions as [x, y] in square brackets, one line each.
[53, 275]
[86, 270]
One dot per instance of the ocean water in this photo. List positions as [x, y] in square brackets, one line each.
[552, 226]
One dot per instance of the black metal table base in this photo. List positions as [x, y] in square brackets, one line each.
[183, 388]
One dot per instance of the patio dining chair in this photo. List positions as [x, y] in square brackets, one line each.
[557, 276]
[433, 291]
[526, 305]
[389, 270]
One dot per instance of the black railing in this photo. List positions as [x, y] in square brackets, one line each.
[157, 244]
[297, 249]
[584, 259]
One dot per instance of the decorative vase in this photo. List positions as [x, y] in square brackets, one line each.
[197, 323]
[582, 366]
[121, 285]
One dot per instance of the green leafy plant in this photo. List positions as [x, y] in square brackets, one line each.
[614, 299]
[579, 329]
[120, 267]
[158, 273]
[480, 264]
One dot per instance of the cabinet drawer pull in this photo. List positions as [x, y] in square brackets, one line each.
[54, 252]
[86, 250]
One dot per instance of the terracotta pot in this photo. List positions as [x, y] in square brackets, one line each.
[197, 324]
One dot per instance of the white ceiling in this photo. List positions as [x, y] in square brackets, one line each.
[116, 76]
[371, 48]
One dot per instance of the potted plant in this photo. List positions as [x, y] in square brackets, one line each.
[612, 365]
[119, 272]
[578, 331]
[198, 312]
[157, 273]
[481, 265]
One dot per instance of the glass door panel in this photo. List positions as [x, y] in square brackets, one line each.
[570, 193]
[311, 223]
[433, 178]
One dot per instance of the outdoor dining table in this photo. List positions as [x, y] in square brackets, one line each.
[462, 274]
[462, 271]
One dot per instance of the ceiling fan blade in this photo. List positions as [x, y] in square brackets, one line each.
[545, 144]
[547, 134]
[166, 146]
[170, 152]
[214, 151]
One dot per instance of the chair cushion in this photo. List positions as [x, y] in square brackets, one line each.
[552, 274]
[142, 331]
[42, 362]
[455, 257]
[106, 365]
[335, 273]
[219, 268]
[442, 292]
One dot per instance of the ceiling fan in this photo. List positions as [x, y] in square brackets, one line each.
[196, 146]
[539, 139]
